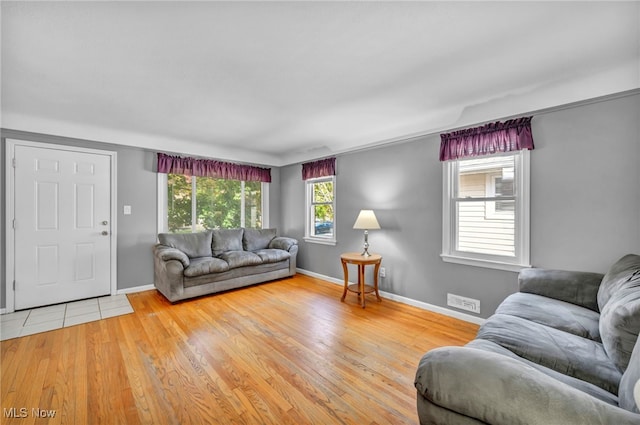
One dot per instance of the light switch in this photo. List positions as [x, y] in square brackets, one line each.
[127, 210]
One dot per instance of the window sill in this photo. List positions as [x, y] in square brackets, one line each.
[488, 264]
[319, 241]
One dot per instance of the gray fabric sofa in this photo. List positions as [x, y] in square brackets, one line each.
[193, 264]
[563, 350]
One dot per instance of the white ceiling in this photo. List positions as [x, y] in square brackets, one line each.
[276, 83]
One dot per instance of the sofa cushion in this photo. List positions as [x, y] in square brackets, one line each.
[554, 313]
[558, 350]
[237, 259]
[628, 381]
[619, 301]
[226, 240]
[195, 245]
[272, 255]
[579, 384]
[255, 239]
[206, 265]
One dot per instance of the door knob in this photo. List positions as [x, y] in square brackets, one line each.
[104, 223]
[105, 233]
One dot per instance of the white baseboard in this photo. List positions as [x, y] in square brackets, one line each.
[320, 276]
[415, 303]
[3, 310]
[136, 289]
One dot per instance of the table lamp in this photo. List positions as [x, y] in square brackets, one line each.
[366, 220]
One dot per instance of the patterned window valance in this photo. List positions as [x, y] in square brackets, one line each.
[322, 168]
[212, 168]
[491, 138]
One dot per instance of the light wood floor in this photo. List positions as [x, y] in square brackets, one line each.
[284, 352]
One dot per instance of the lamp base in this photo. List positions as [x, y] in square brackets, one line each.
[365, 253]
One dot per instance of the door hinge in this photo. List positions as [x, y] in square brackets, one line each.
[15, 225]
[14, 284]
[14, 162]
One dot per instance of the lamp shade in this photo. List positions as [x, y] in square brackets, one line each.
[366, 220]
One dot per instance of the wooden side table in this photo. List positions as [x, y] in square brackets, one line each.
[361, 261]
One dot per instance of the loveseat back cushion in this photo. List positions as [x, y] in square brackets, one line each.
[195, 245]
[226, 240]
[619, 300]
[618, 277]
[255, 239]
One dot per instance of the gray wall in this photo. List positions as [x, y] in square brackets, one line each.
[585, 205]
[137, 186]
[585, 209]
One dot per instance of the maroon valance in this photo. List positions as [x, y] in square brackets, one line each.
[511, 135]
[322, 168]
[212, 168]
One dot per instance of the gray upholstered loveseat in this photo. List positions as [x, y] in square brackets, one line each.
[563, 350]
[193, 264]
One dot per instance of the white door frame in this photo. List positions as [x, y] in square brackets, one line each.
[9, 212]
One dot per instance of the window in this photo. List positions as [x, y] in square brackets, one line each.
[193, 204]
[320, 210]
[486, 211]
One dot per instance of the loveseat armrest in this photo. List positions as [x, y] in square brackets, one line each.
[281, 242]
[166, 253]
[495, 389]
[579, 288]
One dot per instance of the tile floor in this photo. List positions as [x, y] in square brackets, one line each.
[28, 322]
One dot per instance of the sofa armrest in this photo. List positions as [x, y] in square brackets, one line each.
[166, 253]
[496, 389]
[168, 271]
[281, 242]
[580, 288]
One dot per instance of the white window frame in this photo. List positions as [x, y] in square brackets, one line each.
[163, 218]
[310, 216]
[522, 220]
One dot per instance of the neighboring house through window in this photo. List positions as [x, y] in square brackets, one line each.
[486, 207]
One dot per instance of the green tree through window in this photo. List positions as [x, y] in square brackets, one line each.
[323, 207]
[320, 210]
[218, 203]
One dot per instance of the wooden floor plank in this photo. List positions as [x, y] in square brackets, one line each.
[284, 352]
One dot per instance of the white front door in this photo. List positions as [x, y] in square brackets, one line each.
[62, 228]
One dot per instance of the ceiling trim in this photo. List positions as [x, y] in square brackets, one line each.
[44, 128]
